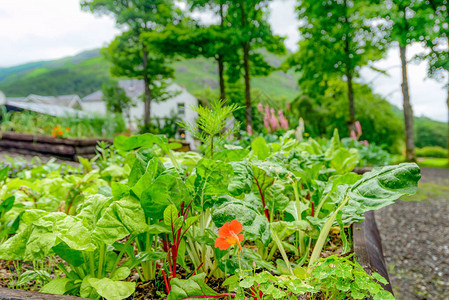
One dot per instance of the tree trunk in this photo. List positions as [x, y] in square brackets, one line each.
[351, 103]
[247, 76]
[248, 109]
[146, 81]
[349, 73]
[221, 60]
[221, 77]
[447, 102]
[408, 111]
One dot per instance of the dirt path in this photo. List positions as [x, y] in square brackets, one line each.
[415, 237]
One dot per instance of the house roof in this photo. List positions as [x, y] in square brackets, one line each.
[49, 109]
[63, 100]
[134, 88]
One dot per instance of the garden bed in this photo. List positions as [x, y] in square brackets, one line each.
[64, 148]
[68, 148]
[141, 221]
[367, 249]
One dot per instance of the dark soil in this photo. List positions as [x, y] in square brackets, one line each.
[415, 239]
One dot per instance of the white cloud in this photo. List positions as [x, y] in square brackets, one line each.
[48, 29]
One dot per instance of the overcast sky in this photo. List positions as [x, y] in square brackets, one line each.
[33, 30]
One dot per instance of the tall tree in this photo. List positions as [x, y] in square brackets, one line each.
[190, 40]
[130, 56]
[116, 99]
[337, 39]
[221, 45]
[249, 21]
[405, 23]
[437, 41]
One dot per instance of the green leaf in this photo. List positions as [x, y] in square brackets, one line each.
[379, 278]
[119, 220]
[153, 169]
[71, 256]
[260, 148]
[191, 220]
[171, 217]
[28, 276]
[379, 188]
[6, 205]
[255, 225]
[194, 286]
[73, 232]
[344, 160]
[242, 179]
[165, 190]
[247, 282]
[334, 145]
[121, 273]
[56, 286]
[111, 289]
[231, 155]
[4, 173]
[231, 280]
[212, 180]
[146, 140]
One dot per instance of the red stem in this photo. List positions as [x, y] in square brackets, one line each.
[68, 209]
[197, 268]
[266, 211]
[212, 296]
[167, 286]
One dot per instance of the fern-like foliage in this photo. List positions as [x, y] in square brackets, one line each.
[214, 123]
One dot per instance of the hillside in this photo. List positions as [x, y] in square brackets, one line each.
[85, 73]
[427, 131]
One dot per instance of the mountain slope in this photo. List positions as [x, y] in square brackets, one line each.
[428, 132]
[85, 73]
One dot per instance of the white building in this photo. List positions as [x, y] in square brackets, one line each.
[134, 90]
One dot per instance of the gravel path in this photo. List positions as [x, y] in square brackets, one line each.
[415, 239]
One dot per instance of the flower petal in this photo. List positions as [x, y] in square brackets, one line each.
[241, 238]
[222, 243]
[224, 231]
[236, 226]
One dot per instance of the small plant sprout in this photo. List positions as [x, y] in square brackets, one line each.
[229, 234]
[215, 122]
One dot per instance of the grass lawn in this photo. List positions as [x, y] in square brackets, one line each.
[428, 190]
[433, 162]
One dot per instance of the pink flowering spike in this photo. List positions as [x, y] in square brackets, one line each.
[353, 135]
[280, 114]
[267, 110]
[365, 142]
[274, 123]
[266, 123]
[260, 107]
[249, 129]
[358, 128]
[284, 123]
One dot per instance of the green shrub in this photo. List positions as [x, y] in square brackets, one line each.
[431, 151]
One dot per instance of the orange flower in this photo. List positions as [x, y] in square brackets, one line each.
[60, 132]
[67, 129]
[54, 132]
[228, 235]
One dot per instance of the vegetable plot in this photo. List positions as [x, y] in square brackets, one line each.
[263, 222]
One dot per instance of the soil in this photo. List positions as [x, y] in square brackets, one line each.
[415, 239]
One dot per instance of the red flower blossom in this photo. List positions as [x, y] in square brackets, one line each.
[229, 234]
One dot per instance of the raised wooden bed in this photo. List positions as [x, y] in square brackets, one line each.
[68, 149]
[368, 248]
